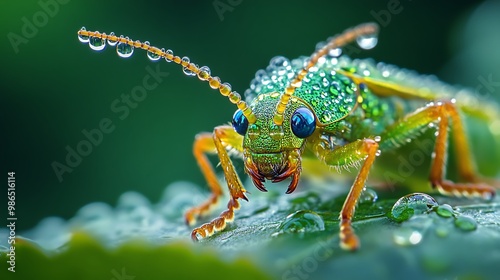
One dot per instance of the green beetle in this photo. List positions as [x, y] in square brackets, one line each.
[327, 107]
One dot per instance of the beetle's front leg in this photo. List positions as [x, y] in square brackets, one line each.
[364, 149]
[223, 138]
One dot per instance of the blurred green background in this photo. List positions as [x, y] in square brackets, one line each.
[54, 87]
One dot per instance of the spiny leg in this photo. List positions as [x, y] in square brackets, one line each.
[223, 137]
[365, 149]
[204, 143]
[441, 112]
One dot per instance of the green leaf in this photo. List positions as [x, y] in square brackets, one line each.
[274, 235]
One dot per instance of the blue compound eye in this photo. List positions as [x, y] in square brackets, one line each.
[303, 123]
[240, 122]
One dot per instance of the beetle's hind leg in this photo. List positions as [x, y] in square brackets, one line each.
[441, 113]
[224, 137]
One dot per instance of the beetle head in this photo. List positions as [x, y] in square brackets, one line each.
[273, 152]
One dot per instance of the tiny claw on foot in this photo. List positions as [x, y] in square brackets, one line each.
[217, 224]
[480, 190]
[194, 236]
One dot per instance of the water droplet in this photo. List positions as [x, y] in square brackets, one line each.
[297, 63]
[321, 60]
[409, 205]
[234, 97]
[186, 70]
[279, 61]
[368, 196]
[111, 42]
[444, 210]
[151, 55]
[320, 45]
[214, 82]
[265, 80]
[367, 42]
[465, 223]
[296, 84]
[204, 73]
[281, 71]
[225, 89]
[407, 236]
[124, 50]
[82, 38]
[168, 53]
[97, 44]
[335, 52]
[259, 74]
[302, 221]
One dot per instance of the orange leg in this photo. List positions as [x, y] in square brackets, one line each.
[360, 150]
[224, 137]
[203, 144]
[442, 113]
[465, 164]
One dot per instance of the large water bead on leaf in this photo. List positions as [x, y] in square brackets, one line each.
[412, 204]
[302, 221]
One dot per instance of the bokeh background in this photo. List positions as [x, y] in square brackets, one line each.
[53, 87]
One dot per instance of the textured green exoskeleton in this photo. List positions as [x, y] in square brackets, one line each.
[333, 110]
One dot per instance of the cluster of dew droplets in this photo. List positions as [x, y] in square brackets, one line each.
[122, 49]
[335, 52]
[98, 44]
[412, 79]
[281, 71]
[274, 78]
[414, 210]
[125, 50]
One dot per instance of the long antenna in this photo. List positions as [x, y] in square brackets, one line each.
[368, 30]
[125, 48]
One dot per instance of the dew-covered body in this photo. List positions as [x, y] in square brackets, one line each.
[348, 111]
[327, 107]
[345, 111]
